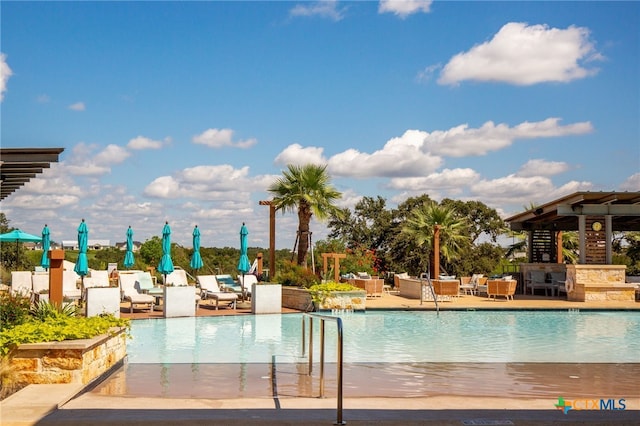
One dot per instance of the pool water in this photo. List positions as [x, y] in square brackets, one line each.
[505, 354]
[396, 337]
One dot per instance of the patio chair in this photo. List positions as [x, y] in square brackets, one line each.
[248, 281]
[226, 282]
[131, 294]
[21, 284]
[557, 282]
[536, 280]
[469, 285]
[210, 289]
[40, 283]
[70, 289]
[501, 287]
[97, 279]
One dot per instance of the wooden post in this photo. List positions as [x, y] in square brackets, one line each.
[559, 256]
[336, 264]
[259, 269]
[272, 237]
[56, 266]
[436, 252]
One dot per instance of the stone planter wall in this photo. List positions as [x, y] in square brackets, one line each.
[300, 299]
[296, 298]
[72, 361]
[345, 300]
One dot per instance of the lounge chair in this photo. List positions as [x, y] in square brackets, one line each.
[40, 283]
[21, 284]
[131, 294]
[210, 289]
[144, 284]
[96, 279]
[70, 288]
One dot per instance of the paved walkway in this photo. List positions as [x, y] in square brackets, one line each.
[59, 405]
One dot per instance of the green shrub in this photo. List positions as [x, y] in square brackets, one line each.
[58, 328]
[319, 292]
[14, 310]
[290, 274]
[45, 309]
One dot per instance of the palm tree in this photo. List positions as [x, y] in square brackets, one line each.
[306, 189]
[420, 227]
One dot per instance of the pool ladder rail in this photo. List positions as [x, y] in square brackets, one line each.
[339, 361]
[428, 284]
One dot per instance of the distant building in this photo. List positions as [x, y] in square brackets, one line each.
[92, 244]
[123, 246]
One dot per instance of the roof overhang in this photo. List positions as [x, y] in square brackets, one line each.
[562, 214]
[19, 165]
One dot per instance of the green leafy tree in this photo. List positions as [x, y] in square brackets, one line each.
[307, 190]
[151, 250]
[481, 219]
[420, 228]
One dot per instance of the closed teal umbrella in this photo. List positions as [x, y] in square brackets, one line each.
[166, 264]
[196, 259]
[46, 243]
[82, 264]
[128, 256]
[243, 265]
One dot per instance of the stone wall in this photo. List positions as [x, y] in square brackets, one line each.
[300, 299]
[598, 283]
[71, 361]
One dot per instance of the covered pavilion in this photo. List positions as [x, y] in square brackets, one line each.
[595, 216]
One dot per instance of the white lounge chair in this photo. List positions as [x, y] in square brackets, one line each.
[21, 284]
[228, 283]
[40, 283]
[131, 294]
[246, 282]
[210, 289]
[70, 288]
[96, 279]
[144, 284]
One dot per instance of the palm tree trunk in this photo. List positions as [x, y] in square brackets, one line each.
[304, 218]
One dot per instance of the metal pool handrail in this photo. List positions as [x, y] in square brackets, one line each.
[338, 322]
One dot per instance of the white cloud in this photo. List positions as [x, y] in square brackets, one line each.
[401, 156]
[78, 106]
[324, 9]
[5, 73]
[524, 55]
[462, 141]
[296, 154]
[539, 167]
[451, 179]
[404, 8]
[520, 190]
[142, 142]
[217, 138]
[43, 99]
[84, 162]
[221, 183]
[632, 183]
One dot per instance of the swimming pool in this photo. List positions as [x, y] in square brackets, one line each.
[396, 337]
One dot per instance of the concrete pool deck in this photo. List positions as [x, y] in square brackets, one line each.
[68, 405]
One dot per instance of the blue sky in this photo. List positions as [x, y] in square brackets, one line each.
[186, 111]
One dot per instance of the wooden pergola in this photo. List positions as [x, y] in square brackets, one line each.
[595, 215]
